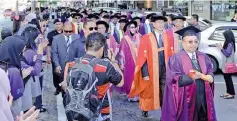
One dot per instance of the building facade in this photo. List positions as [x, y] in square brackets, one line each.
[218, 10]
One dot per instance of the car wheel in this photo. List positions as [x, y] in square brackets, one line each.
[215, 64]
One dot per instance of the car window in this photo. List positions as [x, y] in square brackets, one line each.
[217, 35]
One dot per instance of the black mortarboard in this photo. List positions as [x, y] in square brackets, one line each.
[84, 12]
[76, 14]
[157, 17]
[106, 17]
[90, 16]
[178, 17]
[104, 23]
[115, 16]
[97, 14]
[123, 21]
[135, 18]
[123, 16]
[59, 20]
[188, 31]
[129, 23]
[150, 15]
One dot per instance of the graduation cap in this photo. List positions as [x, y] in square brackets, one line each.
[178, 17]
[123, 21]
[115, 16]
[135, 18]
[128, 24]
[59, 20]
[96, 14]
[188, 31]
[150, 15]
[102, 22]
[76, 14]
[90, 16]
[106, 17]
[123, 16]
[157, 17]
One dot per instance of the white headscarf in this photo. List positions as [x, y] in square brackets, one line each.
[5, 111]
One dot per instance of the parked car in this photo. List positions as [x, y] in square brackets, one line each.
[213, 35]
[203, 23]
[7, 12]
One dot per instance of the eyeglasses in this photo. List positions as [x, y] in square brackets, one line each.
[77, 17]
[95, 28]
[68, 31]
[192, 42]
[132, 27]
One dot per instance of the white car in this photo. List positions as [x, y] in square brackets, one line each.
[213, 35]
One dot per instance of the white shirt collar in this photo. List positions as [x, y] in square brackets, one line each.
[190, 55]
[70, 38]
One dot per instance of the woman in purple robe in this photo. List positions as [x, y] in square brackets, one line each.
[189, 89]
[32, 57]
[127, 56]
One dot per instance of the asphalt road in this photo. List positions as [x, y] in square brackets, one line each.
[226, 110]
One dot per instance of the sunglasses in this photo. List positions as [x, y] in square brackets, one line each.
[132, 27]
[68, 31]
[95, 28]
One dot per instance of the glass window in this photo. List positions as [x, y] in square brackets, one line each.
[218, 34]
[223, 10]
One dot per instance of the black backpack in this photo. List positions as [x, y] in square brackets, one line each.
[81, 98]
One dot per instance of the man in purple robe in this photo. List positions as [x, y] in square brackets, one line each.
[189, 89]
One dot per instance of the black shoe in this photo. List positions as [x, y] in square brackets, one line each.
[56, 92]
[145, 114]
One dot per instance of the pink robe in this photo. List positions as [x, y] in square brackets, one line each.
[127, 58]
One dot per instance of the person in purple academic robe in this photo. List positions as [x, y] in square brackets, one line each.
[189, 89]
[127, 56]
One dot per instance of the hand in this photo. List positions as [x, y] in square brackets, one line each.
[58, 69]
[110, 55]
[43, 44]
[10, 99]
[195, 74]
[146, 78]
[26, 72]
[48, 59]
[219, 45]
[122, 67]
[63, 85]
[30, 115]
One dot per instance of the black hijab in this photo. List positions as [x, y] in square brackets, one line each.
[11, 49]
[229, 38]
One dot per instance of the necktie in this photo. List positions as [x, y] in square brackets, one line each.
[161, 54]
[68, 43]
[195, 62]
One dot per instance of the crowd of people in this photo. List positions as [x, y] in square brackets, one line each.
[152, 59]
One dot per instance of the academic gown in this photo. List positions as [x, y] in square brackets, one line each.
[173, 40]
[179, 102]
[148, 90]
